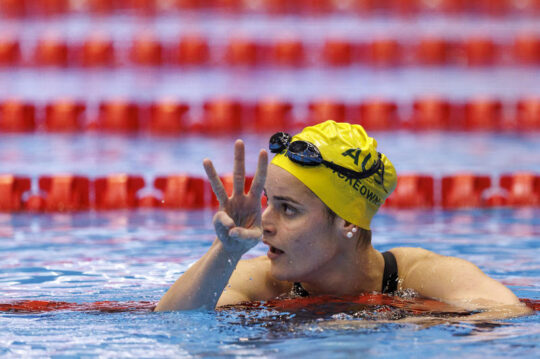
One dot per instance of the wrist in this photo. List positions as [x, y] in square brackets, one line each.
[221, 250]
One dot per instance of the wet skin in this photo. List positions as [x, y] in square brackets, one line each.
[306, 245]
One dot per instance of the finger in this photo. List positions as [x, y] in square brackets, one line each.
[239, 172]
[222, 223]
[223, 219]
[257, 185]
[246, 233]
[215, 182]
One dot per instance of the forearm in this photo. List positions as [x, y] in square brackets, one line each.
[498, 312]
[202, 284]
[490, 315]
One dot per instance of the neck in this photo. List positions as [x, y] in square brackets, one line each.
[357, 271]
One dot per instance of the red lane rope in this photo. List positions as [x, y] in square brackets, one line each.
[42, 306]
[415, 306]
[532, 303]
[69, 193]
[24, 8]
[429, 51]
[225, 116]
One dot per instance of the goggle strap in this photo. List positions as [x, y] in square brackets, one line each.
[351, 173]
[282, 140]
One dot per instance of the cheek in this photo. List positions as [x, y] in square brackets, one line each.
[309, 233]
[298, 233]
[315, 243]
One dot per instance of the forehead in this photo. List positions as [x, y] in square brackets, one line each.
[279, 182]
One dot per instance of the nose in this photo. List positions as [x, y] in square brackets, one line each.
[268, 224]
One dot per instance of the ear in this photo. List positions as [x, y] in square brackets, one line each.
[345, 228]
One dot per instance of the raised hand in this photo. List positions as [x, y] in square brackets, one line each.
[238, 220]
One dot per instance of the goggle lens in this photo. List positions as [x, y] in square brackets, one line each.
[279, 141]
[304, 153]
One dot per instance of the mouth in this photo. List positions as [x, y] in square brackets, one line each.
[276, 250]
[273, 252]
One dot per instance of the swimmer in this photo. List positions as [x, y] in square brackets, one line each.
[323, 187]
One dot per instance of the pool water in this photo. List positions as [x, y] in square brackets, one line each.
[102, 271]
[136, 255]
[94, 155]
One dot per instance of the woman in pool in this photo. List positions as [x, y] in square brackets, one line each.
[323, 187]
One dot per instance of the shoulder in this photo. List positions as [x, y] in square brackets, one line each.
[415, 264]
[409, 257]
[451, 279]
[253, 278]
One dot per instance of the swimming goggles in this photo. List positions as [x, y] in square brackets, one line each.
[307, 154]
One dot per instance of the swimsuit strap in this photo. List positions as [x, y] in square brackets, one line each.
[298, 290]
[390, 275]
[389, 282]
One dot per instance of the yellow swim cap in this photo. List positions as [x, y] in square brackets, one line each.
[349, 146]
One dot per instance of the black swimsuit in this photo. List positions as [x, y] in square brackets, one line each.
[389, 281]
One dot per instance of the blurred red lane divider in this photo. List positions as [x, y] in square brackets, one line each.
[119, 115]
[64, 116]
[17, 116]
[149, 8]
[322, 110]
[168, 117]
[432, 113]
[42, 306]
[521, 189]
[10, 52]
[193, 50]
[69, 193]
[96, 51]
[412, 191]
[12, 189]
[117, 191]
[65, 193]
[182, 191]
[464, 190]
[224, 115]
[376, 115]
[273, 115]
[415, 306]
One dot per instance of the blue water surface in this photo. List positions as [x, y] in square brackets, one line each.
[137, 255]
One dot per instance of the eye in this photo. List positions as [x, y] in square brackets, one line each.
[288, 210]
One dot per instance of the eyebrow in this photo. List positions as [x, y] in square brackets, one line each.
[282, 198]
[285, 198]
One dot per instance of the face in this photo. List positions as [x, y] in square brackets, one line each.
[303, 241]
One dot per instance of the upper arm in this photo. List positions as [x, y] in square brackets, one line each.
[250, 281]
[456, 281]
